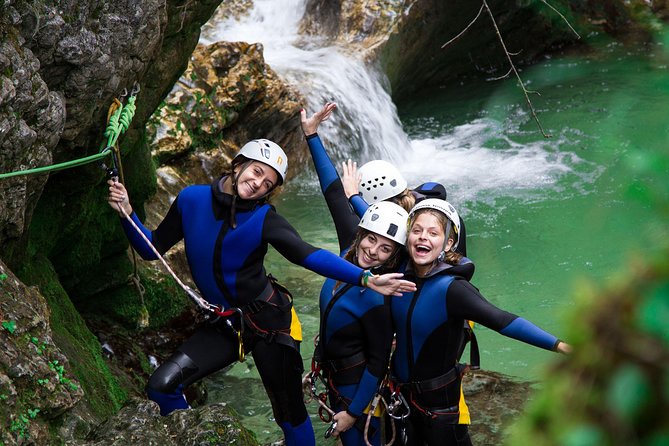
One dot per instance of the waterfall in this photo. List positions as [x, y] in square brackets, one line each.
[365, 125]
[475, 160]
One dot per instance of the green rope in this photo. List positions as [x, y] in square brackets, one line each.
[113, 130]
[65, 165]
[118, 123]
[127, 114]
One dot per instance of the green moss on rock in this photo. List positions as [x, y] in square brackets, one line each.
[104, 396]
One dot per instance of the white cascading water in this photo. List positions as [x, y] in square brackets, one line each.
[366, 124]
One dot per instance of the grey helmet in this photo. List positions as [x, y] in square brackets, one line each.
[380, 180]
[266, 152]
[386, 219]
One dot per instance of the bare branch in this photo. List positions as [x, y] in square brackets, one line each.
[501, 77]
[513, 68]
[563, 17]
[464, 30]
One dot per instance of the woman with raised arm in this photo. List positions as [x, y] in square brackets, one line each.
[355, 335]
[227, 227]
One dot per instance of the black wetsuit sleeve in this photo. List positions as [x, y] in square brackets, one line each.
[464, 301]
[169, 232]
[285, 239]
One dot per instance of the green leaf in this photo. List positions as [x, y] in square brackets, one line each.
[10, 326]
[3, 277]
[654, 312]
[629, 392]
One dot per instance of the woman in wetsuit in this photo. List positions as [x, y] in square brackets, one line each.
[227, 227]
[428, 325]
[355, 335]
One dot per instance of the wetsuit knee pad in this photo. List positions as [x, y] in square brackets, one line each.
[175, 371]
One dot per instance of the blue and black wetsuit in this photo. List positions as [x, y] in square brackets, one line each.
[428, 326]
[356, 330]
[227, 266]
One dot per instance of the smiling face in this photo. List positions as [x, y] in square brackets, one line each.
[426, 241]
[374, 250]
[255, 181]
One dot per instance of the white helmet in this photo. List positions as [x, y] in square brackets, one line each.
[380, 180]
[267, 152]
[386, 219]
[445, 208]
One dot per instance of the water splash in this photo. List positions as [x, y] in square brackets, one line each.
[474, 160]
[366, 125]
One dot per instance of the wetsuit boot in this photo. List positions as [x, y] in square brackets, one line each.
[300, 435]
[169, 402]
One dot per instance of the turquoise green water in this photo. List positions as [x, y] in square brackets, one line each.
[541, 214]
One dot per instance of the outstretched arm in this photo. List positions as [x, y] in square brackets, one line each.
[285, 239]
[463, 300]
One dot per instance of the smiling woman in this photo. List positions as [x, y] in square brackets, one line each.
[429, 331]
[227, 227]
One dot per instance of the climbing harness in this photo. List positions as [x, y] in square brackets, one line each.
[326, 413]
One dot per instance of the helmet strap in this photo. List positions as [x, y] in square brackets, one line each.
[235, 194]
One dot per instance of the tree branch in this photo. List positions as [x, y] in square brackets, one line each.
[560, 14]
[513, 69]
[464, 30]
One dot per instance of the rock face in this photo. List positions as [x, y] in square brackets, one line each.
[36, 382]
[140, 423]
[406, 37]
[32, 119]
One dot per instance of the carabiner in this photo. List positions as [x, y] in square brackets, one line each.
[135, 89]
[398, 401]
[331, 430]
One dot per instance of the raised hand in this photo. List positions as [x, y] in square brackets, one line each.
[310, 124]
[350, 178]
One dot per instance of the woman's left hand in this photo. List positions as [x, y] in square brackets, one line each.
[310, 124]
[350, 178]
[344, 420]
[391, 284]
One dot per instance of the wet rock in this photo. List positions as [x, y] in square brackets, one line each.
[31, 121]
[36, 382]
[140, 423]
[406, 37]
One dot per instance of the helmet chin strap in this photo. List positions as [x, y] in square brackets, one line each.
[442, 254]
[235, 193]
